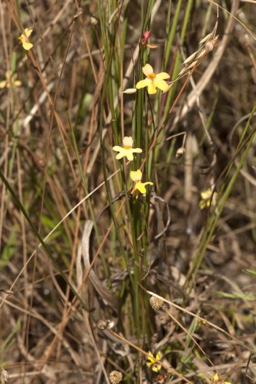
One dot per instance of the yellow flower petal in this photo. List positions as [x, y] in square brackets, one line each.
[140, 187]
[147, 70]
[124, 153]
[117, 148]
[28, 31]
[202, 204]
[206, 194]
[156, 367]
[3, 84]
[151, 360]
[143, 83]
[127, 141]
[161, 84]
[216, 378]
[120, 155]
[162, 76]
[136, 175]
[137, 150]
[152, 88]
[129, 155]
[147, 183]
[27, 46]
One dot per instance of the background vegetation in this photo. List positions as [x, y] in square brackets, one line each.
[96, 285]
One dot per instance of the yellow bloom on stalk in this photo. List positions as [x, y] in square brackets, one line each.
[153, 80]
[208, 198]
[216, 379]
[152, 361]
[10, 81]
[139, 187]
[24, 39]
[127, 150]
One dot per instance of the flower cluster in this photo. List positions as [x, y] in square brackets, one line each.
[151, 82]
[127, 151]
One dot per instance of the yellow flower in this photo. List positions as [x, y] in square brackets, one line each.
[139, 187]
[24, 39]
[10, 81]
[127, 150]
[208, 198]
[216, 379]
[152, 361]
[153, 80]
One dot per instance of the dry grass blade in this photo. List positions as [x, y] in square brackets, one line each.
[202, 83]
[106, 296]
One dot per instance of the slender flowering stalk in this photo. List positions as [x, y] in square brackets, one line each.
[153, 81]
[127, 150]
[10, 81]
[139, 187]
[24, 38]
